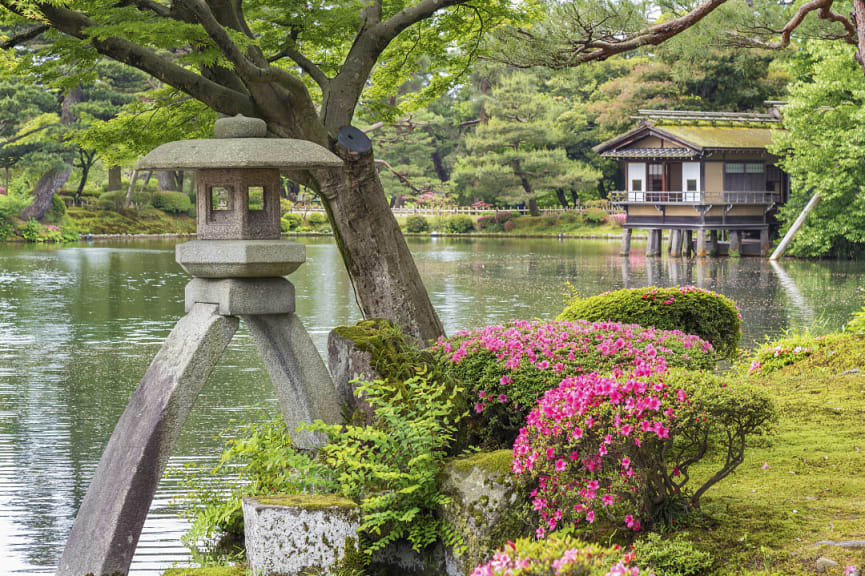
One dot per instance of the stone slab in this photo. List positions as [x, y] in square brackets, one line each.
[298, 534]
[347, 363]
[282, 153]
[242, 296]
[240, 258]
[106, 530]
[303, 384]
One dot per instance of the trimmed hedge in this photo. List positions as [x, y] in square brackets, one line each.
[458, 224]
[171, 202]
[112, 200]
[692, 310]
[416, 224]
[316, 219]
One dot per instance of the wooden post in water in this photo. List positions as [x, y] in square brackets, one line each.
[675, 243]
[689, 243]
[764, 242]
[701, 243]
[713, 243]
[734, 244]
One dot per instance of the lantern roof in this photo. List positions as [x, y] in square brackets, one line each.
[239, 142]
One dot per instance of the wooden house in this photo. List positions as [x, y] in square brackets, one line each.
[695, 173]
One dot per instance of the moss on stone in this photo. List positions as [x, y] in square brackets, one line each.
[237, 570]
[497, 462]
[308, 501]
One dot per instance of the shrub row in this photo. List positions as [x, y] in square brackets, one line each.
[692, 310]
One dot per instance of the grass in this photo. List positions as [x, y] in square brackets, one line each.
[237, 570]
[768, 519]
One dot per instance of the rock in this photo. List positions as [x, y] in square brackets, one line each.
[301, 533]
[824, 564]
[849, 544]
[483, 506]
[348, 359]
[846, 372]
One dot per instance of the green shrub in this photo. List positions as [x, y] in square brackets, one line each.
[172, 202]
[550, 220]
[416, 224]
[141, 197]
[692, 310]
[459, 224]
[595, 216]
[57, 211]
[291, 221]
[285, 206]
[673, 557]
[776, 354]
[113, 200]
[559, 555]
[857, 323]
[571, 217]
[6, 228]
[32, 231]
[11, 205]
[316, 219]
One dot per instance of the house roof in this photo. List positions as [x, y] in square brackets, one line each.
[652, 153]
[695, 138]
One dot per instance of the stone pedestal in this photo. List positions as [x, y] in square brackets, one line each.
[675, 243]
[626, 242]
[734, 250]
[300, 534]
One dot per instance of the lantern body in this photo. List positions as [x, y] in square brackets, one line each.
[238, 204]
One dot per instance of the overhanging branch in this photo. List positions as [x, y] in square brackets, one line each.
[24, 36]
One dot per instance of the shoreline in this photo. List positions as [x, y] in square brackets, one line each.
[167, 236]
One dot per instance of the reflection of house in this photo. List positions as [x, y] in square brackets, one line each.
[698, 172]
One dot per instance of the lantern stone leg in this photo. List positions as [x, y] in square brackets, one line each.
[106, 530]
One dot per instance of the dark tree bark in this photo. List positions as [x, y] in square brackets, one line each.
[115, 178]
[527, 186]
[563, 200]
[371, 244]
[48, 185]
[86, 160]
[438, 162]
[169, 181]
[575, 198]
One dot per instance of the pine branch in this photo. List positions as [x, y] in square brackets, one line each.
[24, 36]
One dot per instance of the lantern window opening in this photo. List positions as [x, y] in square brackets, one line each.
[256, 198]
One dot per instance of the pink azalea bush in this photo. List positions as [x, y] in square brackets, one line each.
[617, 449]
[506, 369]
[560, 556]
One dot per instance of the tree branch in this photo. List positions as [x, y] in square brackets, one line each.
[305, 64]
[26, 134]
[391, 28]
[149, 6]
[824, 12]
[24, 36]
[399, 176]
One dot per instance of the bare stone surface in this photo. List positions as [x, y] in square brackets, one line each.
[825, 564]
[281, 153]
[223, 205]
[109, 522]
[301, 379]
[239, 126]
[242, 296]
[848, 544]
[306, 533]
[240, 258]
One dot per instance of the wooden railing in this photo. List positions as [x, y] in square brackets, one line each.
[695, 197]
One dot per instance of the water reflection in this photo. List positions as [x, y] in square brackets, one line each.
[79, 325]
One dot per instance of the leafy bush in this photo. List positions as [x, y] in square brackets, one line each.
[509, 225]
[285, 206]
[290, 221]
[11, 205]
[857, 323]
[506, 369]
[113, 200]
[674, 557]
[772, 356]
[416, 224]
[316, 219]
[31, 231]
[550, 220]
[57, 211]
[172, 202]
[692, 310]
[141, 198]
[391, 468]
[488, 224]
[620, 448]
[261, 460]
[502, 217]
[571, 217]
[6, 228]
[459, 224]
[595, 216]
[560, 555]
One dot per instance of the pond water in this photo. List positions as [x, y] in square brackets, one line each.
[80, 324]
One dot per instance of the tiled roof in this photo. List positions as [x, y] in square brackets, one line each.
[650, 153]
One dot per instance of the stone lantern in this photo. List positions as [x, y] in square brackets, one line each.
[238, 264]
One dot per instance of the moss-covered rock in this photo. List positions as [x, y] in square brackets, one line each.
[486, 507]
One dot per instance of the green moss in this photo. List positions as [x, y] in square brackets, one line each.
[147, 220]
[804, 487]
[237, 570]
[308, 501]
[497, 462]
[833, 354]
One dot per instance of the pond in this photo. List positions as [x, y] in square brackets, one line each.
[80, 324]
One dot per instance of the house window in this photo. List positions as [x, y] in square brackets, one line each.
[744, 176]
[692, 184]
[636, 185]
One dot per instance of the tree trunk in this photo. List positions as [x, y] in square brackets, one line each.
[527, 186]
[438, 163]
[560, 194]
[386, 280]
[44, 191]
[575, 198]
[85, 172]
[168, 181]
[115, 178]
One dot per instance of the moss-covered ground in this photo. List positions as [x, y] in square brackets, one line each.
[147, 220]
[806, 484]
[236, 570]
[547, 225]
